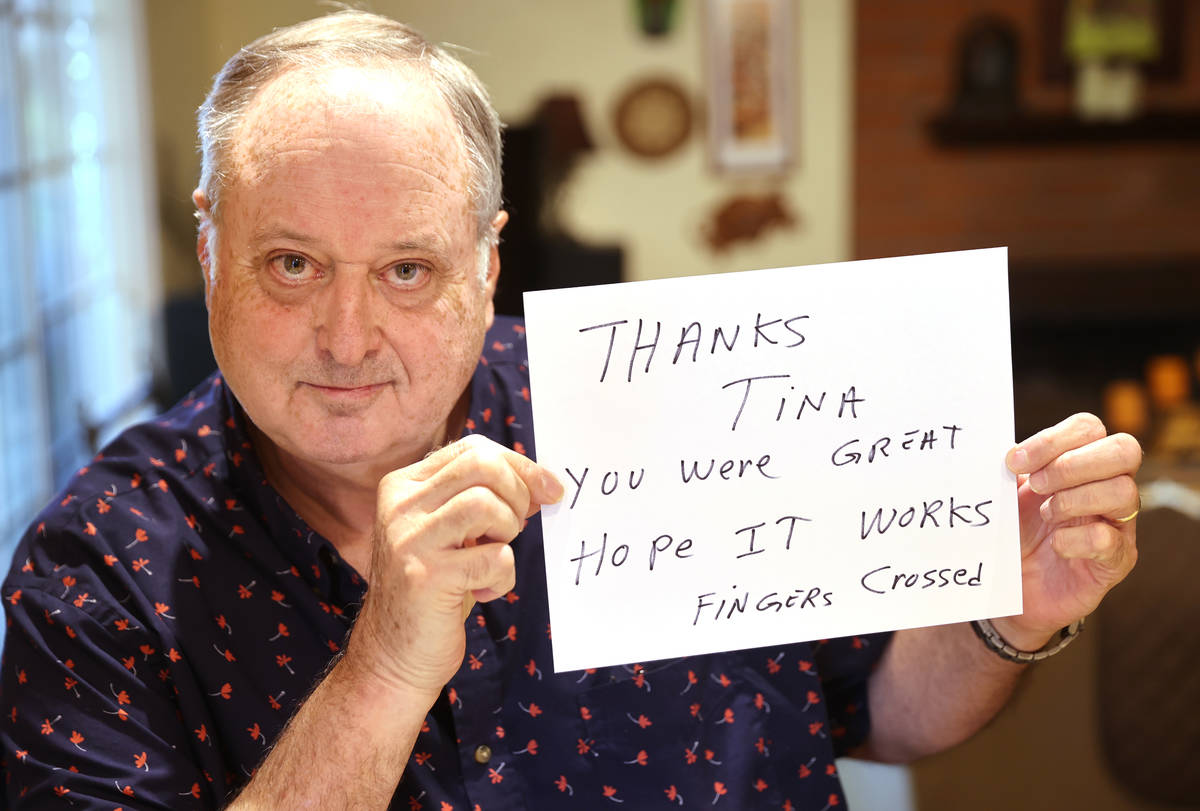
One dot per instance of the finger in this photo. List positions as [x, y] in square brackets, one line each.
[1117, 455]
[489, 468]
[484, 467]
[474, 515]
[485, 572]
[438, 458]
[471, 518]
[1048, 444]
[1098, 541]
[544, 486]
[1111, 498]
[478, 456]
[489, 594]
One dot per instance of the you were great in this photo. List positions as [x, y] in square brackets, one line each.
[757, 465]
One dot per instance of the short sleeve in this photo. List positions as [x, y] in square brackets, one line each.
[845, 664]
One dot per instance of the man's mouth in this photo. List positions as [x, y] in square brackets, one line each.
[348, 392]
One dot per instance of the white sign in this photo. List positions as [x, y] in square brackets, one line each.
[775, 456]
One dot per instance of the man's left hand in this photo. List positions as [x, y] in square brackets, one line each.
[1077, 499]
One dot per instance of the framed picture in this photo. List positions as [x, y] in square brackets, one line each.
[751, 84]
[1147, 32]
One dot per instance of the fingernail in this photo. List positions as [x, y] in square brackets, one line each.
[553, 487]
[1046, 511]
[1017, 460]
[1038, 481]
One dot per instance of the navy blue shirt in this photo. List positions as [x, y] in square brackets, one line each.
[169, 611]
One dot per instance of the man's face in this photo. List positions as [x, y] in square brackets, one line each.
[345, 308]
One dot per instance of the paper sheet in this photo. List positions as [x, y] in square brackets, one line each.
[774, 456]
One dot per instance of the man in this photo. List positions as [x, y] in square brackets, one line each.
[188, 620]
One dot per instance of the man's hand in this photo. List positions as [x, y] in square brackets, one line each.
[443, 526]
[936, 686]
[1075, 490]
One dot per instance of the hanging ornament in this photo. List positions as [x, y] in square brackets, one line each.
[655, 16]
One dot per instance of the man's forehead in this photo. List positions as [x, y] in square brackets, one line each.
[317, 109]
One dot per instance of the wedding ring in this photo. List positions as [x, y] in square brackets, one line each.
[1127, 518]
[1132, 515]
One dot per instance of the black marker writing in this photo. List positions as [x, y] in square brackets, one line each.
[781, 333]
[746, 394]
[737, 604]
[847, 408]
[726, 470]
[638, 347]
[612, 337]
[618, 558]
[854, 452]
[753, 528]
[882, 580]
[928, 511]
[608, 483]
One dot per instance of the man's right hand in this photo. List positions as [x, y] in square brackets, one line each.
[442, 530]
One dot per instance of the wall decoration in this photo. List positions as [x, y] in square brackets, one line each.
[744, 218]
[538, 250]
[987, 63]
[1148, 32]
[653, 118]
[655, 16]
[751, 84]
[1111, 45]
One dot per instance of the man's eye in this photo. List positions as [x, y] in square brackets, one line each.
[291, 264]
[408, 273]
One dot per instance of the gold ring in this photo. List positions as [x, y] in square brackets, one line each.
[1132, 515]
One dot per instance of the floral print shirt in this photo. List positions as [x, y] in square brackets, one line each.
[168, 612]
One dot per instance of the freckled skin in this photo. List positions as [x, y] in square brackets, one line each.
[353, 179]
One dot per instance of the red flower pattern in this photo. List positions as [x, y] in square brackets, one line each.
[223, 561]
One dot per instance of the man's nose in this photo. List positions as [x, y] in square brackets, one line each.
[347, 326]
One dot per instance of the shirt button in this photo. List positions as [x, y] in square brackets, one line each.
[483, 753]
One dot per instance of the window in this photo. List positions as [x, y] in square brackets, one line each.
[79, 279]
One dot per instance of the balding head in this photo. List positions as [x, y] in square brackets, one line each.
[340, 40]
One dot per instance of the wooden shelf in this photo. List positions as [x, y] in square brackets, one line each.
[1041, 129]
[1107, 291]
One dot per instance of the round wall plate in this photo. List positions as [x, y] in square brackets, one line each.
[653, 118]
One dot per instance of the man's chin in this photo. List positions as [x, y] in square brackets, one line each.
[375, 438]
[342, 442]
[344, 453]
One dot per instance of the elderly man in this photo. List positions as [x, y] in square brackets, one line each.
[261, 595]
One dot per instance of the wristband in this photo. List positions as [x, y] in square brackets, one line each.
[996, 643]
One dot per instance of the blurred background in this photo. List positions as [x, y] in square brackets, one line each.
[652, 138]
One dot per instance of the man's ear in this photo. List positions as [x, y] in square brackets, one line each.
[493, 274]
[203, 239]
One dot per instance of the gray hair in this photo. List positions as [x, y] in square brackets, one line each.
[355, 38]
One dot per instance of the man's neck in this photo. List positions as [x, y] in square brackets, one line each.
[338, 501]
